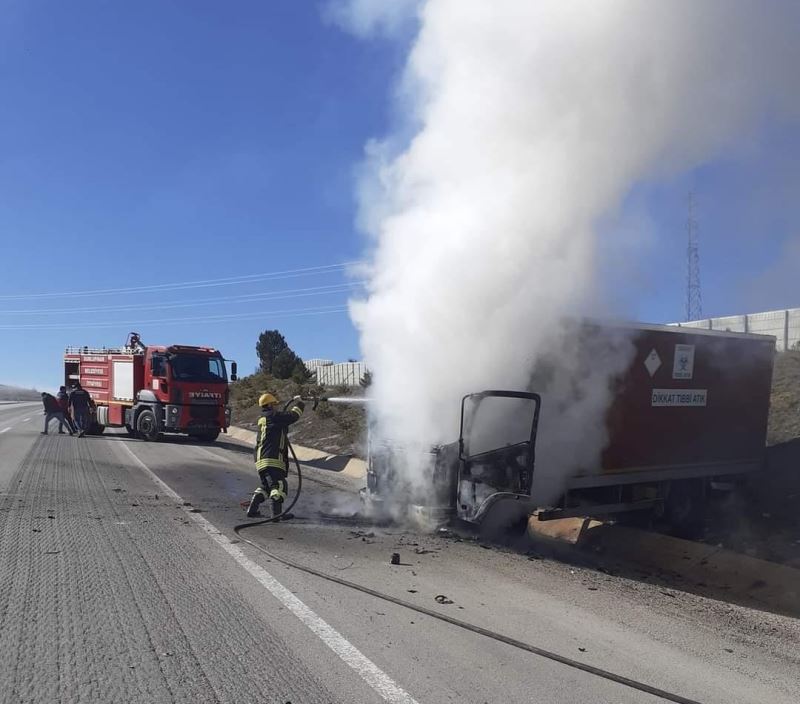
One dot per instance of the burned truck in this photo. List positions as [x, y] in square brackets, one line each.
[687, 414]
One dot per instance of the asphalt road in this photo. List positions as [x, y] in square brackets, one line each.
[113, 590]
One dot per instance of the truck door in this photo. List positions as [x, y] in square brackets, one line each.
[496, 450]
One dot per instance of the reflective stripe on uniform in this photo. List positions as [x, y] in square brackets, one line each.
[262, 434]
[278, 492]
[270, 462]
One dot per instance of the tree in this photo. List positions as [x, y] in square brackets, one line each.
[284, 365]
[269, 347]
[300, 373]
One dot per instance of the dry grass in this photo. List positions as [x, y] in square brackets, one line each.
[784, 416]
[336, 429]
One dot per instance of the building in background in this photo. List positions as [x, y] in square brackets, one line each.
[328, 373]
[784, 324]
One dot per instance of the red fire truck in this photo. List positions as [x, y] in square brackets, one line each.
[151, 390]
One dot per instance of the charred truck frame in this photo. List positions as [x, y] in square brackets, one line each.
[151, 390]
[689, 413]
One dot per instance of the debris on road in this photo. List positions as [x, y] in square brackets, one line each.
[395, 560]
[583, 650]
[442, 599]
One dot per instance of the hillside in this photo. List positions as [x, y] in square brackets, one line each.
[14, 393]
[340, 429]
[331, 428]
[784, 417]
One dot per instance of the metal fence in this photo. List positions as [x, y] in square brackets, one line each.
[345, 374]
[784, 324]
[313, 364]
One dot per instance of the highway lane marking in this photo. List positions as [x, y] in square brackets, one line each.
[376, 678]
[25, 420]
[4, 430]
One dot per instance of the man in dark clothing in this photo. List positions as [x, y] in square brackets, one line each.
[53, 410]
[271, 453]
[63, 401]
[79, 399]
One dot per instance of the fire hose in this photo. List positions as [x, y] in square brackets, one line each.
[513, 642]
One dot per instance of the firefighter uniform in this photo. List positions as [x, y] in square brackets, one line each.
[271, 453]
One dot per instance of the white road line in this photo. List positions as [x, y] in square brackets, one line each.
[25, 420]
[4, 430]
[376, 678]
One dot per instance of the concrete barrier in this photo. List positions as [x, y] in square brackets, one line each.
[340, 464]
[730, 575]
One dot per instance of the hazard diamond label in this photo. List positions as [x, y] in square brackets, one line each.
[652, 363]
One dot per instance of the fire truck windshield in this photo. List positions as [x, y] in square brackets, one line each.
[197, 367]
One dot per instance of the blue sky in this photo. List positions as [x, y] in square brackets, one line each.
[151, 143]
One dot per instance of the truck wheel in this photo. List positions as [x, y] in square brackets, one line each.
[210, 436]
[147, 426]
[97, 429]
[685, 509]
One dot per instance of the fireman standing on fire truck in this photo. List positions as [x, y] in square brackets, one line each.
[272, 453]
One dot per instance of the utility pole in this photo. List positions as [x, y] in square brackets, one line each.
[694, 297]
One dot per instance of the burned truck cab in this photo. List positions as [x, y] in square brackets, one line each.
[492, 462]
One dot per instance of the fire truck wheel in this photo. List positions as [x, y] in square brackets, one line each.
[210, 436]
[147, 426]
[97, 429]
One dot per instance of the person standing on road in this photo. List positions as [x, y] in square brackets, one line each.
[63, 401]
[79, 399]
[52, 409]
[271, 453]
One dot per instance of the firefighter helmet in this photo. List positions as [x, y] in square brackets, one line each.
[267, 399]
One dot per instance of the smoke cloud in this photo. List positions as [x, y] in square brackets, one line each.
[530, 123]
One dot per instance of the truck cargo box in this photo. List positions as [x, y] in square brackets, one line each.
[690, 397]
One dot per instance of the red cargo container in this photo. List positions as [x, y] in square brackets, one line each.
[692, 407]
[691, 397]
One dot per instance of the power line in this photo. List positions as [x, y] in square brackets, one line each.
[243, 298]
[184, 285]
[321, 310]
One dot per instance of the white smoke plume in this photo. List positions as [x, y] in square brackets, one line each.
[531, 121]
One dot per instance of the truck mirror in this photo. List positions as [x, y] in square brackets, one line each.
[234, 376]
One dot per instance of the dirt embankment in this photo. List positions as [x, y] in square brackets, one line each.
[337, 429]
[784, 415]
[341, 429]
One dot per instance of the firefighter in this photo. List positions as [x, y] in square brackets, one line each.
[272, 453]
